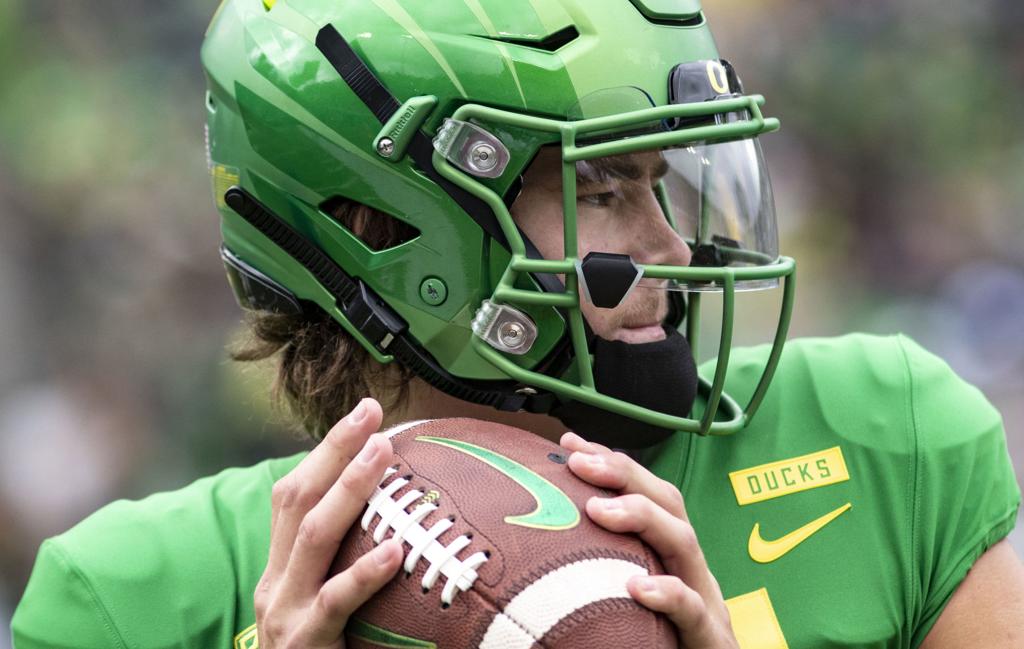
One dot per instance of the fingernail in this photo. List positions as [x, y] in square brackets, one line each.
[610, 503]
[383, 554]
[593, 460]
[646, 584]
[368, 453]
[358, 414]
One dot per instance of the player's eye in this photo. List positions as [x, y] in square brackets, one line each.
[599, 199]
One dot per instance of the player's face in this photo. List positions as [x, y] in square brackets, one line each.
[617, 212]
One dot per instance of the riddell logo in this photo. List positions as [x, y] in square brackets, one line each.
[403, 121]
[785, 477]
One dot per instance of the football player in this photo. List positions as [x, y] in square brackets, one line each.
[513, 211]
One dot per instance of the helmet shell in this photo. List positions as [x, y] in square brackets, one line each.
[285, 127]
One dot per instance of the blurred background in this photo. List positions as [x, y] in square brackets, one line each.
[899, 178]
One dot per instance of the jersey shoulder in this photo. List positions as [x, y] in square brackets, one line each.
[143, 573]
[894, 410]
[883, 391]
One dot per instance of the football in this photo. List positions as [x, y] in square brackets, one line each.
[499, 551]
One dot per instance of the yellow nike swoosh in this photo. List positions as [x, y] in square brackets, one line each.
[763, 551]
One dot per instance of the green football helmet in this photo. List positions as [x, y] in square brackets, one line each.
[433, 113]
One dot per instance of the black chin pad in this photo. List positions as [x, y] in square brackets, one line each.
[661, 376]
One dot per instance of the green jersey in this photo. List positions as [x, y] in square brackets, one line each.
[846, 515]
[851, 508]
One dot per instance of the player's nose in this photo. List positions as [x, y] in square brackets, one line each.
[656, 242]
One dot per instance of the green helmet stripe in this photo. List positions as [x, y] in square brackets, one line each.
[551, 15]
[512, 68]
[589, 72]
[285, 102]
[485, 21]
[286, 16]
[402, 17]
[554, 17]
[620, 32]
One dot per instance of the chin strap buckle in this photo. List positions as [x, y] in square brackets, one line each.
[372, 317]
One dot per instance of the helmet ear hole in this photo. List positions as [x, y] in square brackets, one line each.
[376, 229]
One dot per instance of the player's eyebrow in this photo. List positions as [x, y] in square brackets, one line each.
[596, 172]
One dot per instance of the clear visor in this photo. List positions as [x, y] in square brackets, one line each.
[701, 206]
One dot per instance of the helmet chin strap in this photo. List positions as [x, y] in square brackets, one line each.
[659, 375]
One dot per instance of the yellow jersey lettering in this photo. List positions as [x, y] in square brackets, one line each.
[805, 472]
[789, 476]
[754, 484]
[823, 468]
[785, 478]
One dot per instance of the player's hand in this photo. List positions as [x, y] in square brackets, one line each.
[313, 507]
[654, 509]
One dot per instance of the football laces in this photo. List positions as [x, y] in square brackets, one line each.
[442, 560]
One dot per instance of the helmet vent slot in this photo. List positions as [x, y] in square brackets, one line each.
[549, 43]
[693, 21]
[377, 230]
[671, 13]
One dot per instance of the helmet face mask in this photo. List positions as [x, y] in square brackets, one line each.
[686, 209]
[297, 125]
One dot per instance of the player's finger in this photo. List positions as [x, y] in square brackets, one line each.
[672, 538]
[304, 486]
[348, 590]
[574, 442]
[683, 605]
[322, 529]
[622, 473]
[321, 467]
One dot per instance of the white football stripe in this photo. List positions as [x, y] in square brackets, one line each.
[506, 634]
[398, 429]
[544, 602]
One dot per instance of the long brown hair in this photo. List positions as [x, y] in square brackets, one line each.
[322, 372]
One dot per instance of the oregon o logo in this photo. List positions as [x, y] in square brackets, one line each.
[718, 78]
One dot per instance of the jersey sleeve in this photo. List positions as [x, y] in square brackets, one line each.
[966, 495]
[60, 607]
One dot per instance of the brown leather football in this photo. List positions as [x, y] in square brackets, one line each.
[499, 551]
